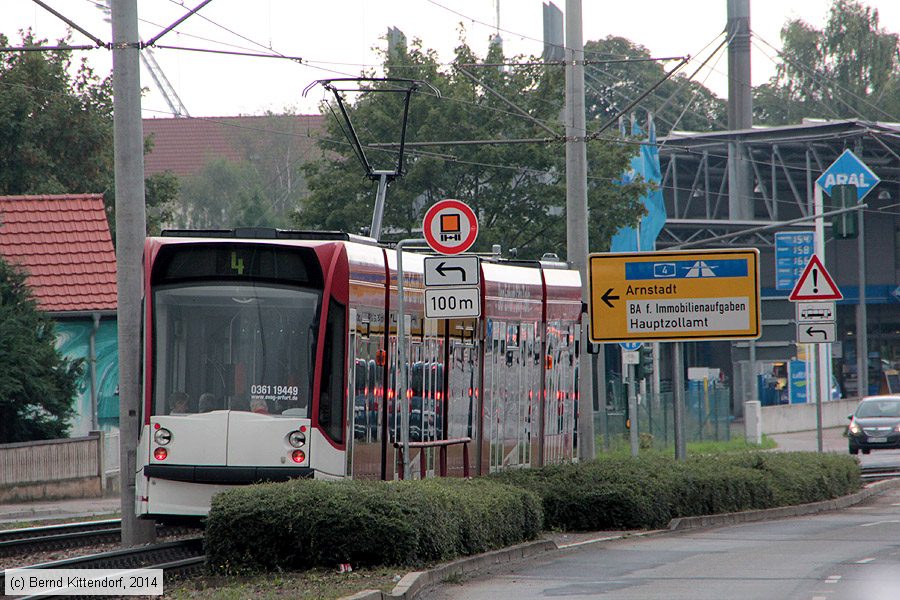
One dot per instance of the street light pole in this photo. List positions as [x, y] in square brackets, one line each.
[577, 213]
[128, 147]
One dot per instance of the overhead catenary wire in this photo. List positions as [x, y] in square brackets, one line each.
[479, 106]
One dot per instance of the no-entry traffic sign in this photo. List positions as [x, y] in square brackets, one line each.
[450, 227]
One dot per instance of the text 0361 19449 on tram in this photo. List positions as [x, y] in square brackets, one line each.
[272, 355]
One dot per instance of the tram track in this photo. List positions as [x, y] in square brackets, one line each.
[878, 473]
[179, 559]
[71, 535]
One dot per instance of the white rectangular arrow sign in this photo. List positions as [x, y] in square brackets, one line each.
[452, 270]
[815, 333]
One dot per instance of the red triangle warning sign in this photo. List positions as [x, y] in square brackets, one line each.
[815, 283]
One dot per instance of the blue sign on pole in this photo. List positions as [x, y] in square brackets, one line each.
[797, 382]
[792, 251]
[849, 170]
[630, 346]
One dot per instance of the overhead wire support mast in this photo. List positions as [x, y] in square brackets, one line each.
[382, 176]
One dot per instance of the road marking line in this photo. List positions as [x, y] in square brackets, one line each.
[879, 523]
[864, 561]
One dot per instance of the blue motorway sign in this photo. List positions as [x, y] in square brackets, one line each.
[848, 169]
[792, 251]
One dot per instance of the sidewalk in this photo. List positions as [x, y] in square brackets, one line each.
[833, 440]
[46, 510]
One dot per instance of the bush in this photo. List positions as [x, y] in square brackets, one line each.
[649, 491]
[306, 523]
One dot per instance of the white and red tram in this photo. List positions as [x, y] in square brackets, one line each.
[271, 355]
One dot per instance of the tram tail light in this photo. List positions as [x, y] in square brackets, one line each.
[160, 454]
[298, 456]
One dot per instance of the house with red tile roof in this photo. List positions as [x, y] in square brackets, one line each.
[63, 243]
[185, 145]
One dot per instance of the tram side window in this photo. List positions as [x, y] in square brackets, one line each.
[331, 397]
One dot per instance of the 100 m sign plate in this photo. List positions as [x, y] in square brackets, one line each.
[452, 302]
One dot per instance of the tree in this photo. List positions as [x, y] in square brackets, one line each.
[517, 190]
[56, 129]
[224, 194]
[37, 384]
[611, 83]
[847, 70]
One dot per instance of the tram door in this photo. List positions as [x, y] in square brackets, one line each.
[510, 381]
[365, 394]
[559, 409]
[462, 402]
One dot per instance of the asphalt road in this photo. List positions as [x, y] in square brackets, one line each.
[851, 554]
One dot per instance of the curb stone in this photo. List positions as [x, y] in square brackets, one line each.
[412, 583]
[749, 516]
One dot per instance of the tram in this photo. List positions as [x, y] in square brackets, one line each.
[270, 355]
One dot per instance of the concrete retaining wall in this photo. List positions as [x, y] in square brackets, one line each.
[785, 418]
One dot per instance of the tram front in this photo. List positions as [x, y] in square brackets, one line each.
[240, 360]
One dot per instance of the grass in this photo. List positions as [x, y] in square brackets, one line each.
[316, 584]
[622, 447]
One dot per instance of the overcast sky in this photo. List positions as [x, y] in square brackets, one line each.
[335, 38]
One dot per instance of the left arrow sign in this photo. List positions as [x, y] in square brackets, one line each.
[606, 298]
[441, 271]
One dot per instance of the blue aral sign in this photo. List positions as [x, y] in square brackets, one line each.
[848, 169]
[792, 252]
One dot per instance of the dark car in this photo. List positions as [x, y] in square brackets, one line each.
[875, 424]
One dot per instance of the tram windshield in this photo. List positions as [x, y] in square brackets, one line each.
[226, 346]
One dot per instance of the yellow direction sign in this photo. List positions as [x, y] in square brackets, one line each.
[675, 295]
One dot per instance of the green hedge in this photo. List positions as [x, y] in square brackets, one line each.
[649, 491]
[307, 523]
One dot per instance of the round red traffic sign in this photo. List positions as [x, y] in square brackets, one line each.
[450, 227]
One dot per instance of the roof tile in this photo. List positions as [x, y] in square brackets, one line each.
[185, 145]
[63, 243]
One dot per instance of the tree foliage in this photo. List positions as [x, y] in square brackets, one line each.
[517, 190]
[224, 194]
[37, 384]
[612, 83]
[56, 129]
[263, 191]
[849, 69]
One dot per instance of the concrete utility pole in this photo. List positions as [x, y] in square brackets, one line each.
[740, 109]
[577, 213]
[130, 228]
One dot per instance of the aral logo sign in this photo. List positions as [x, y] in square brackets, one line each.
[849, 170]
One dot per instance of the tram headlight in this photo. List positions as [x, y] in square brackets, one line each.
[297, 439]
[162, 436]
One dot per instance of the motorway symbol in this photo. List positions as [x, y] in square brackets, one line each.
[606, 298]
[454, 270]
[819, 333]
[452, 302]
[815, 283]
[450, 227]
[848, 169]
[674, 295]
